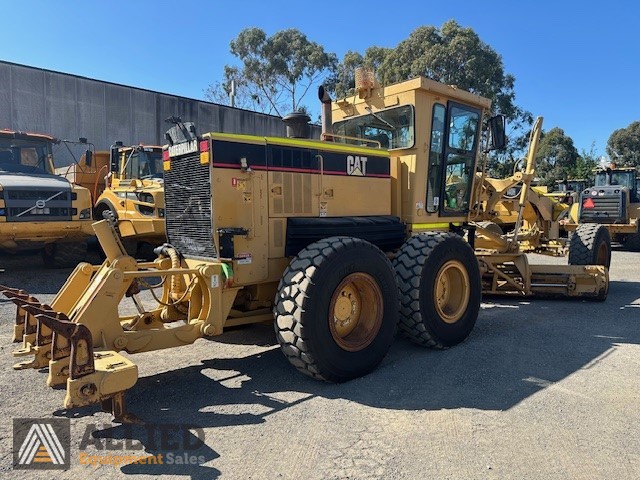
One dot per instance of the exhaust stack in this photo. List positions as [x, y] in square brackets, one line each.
[327, 121]
[297, 125]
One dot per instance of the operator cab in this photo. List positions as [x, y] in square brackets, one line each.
[20, 153]
[433, 154]
[619, 177]
[140, 162]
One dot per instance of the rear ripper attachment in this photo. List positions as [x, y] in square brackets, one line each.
[80, 335]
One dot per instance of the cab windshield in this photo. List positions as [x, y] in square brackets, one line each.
[24, 156]
[391, 128]
[624, 179]
[143, 165]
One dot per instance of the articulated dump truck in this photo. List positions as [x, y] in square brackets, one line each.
[337, 241]
[39, 210]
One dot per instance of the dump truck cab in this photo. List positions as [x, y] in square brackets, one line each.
[134, 194]
[39, 210]
[433, 134]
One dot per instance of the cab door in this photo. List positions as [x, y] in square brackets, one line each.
[460, 147]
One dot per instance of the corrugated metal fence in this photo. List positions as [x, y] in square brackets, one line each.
[69, 107]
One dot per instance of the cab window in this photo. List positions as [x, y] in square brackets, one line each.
[462, 138]
[391, 128]
[143, 165]
[436, 148]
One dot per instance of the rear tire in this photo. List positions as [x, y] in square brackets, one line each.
[64, 255]
[440, 289]
[590, 245]
[336, 309]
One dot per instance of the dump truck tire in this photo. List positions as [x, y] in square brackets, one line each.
[633, 242]
[336, 309]
[440, 289]
[590, 245]
[64, 255]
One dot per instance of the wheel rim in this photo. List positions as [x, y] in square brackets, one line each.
[603, 254]
[355, 312]
[452, 291]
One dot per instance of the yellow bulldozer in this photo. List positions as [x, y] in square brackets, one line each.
[336, 241]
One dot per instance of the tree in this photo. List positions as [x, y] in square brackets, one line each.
[557, 157]
[276, 72]
[623, 145]
[453, 55]
[585, 164]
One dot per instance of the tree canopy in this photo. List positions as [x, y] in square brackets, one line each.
[557, 157]
[450, 54]
[453, 55]
[623, 145]
[275, 73]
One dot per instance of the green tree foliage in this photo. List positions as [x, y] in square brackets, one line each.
[623, 145]
[275, 72]
[453, 55]
[585, 164]
[557, 157]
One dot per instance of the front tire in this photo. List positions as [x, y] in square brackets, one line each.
[440, 289]
[336, 309]
[590, 245]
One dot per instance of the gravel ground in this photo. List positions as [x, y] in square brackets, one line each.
[541, 389]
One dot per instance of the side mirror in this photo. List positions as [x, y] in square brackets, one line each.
[497, 127]
[88, 158]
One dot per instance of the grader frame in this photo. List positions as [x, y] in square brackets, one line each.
[299, 230]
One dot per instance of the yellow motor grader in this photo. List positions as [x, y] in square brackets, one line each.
[336, 241]
[501, 205]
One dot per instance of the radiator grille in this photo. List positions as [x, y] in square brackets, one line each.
[606, 209]
[188, 213]
[38, 205]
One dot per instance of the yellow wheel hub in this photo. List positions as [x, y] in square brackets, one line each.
[452, 291]
[355, 312]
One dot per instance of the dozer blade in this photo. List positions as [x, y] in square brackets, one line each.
[93, 377]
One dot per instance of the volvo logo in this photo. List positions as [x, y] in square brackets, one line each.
[40, 203]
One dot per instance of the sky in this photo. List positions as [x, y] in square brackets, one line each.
[576, 63]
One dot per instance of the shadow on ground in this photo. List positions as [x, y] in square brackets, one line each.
[502, 363]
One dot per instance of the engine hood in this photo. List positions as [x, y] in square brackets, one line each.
[33, 182]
